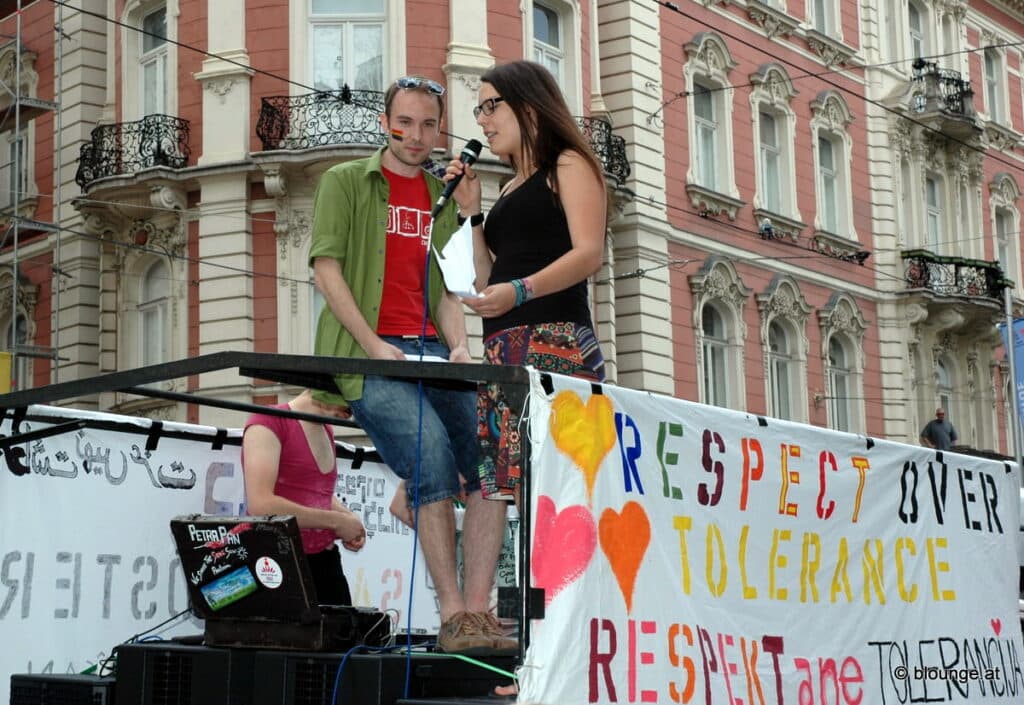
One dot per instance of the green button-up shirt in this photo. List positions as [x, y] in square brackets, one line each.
[349, 219]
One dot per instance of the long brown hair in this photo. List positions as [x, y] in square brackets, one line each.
[546, 127]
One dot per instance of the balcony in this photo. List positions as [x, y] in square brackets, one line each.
[348, 117]
[321, 119]
[128, 147]
[953, 276]
[946, 102]
[610, 149]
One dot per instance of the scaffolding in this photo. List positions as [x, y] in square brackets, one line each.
[15, 118]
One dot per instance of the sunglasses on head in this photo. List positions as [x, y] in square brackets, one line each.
[415, 82]
[487, 107]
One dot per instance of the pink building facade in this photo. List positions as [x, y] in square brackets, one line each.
[809, 224]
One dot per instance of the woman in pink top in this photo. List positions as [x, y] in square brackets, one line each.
[290, 467]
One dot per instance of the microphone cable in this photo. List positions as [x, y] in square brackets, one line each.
[419, 459]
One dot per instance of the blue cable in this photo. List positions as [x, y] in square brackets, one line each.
[344, 660]
[416, 475]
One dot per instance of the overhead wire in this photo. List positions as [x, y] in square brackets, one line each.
[667, 5]
[843, 88]
[817, 74]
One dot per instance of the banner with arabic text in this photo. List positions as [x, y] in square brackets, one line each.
[86, 555]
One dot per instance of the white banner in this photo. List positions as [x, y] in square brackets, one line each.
[86, 555]
[691, 554]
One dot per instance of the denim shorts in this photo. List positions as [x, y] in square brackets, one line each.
[389, 414]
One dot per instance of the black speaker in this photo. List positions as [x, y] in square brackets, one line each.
[53, 689]
[162, 673]
[289, 678]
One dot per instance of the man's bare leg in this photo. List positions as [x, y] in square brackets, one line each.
[437, 539]
[483, 532]
[399, 507]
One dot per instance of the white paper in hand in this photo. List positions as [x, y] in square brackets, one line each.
[456, 262]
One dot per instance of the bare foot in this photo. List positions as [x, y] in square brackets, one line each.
[507, 690]
[400, 506]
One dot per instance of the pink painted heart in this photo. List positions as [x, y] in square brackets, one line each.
[997, 625]
[563, 544]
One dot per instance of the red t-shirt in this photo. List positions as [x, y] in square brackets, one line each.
[298, 477]
[408, 230]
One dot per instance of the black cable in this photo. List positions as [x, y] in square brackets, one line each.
[838, 86]
[132, 639]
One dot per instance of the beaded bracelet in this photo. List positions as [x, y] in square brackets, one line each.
[520, 290]
[524, 290]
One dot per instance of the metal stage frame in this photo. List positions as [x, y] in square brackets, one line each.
[311, 371]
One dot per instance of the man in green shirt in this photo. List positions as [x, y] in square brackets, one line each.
[371, 233]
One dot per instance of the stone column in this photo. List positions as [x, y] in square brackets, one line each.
[225, 237]
[640, 237]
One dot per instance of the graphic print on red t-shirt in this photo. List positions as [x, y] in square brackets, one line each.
[407, 233]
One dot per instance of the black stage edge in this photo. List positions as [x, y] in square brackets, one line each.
[173, 674]
[162, 672]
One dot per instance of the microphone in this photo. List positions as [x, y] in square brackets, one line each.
[470, 153]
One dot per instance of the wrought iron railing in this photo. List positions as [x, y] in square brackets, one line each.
[321, 119]
[953, 276]
[353, 117]
[945, 89]
[127, 147]
[610, 149]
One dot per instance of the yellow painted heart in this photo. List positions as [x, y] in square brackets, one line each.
[586, 433]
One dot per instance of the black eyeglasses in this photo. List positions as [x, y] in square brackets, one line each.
[417, 82]
[487, 107]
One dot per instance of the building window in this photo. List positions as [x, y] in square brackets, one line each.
[833, 156]
[14, 172]
[771, 175]
[915, 30]
[153, 63]
[1006, 226]
[719, 297]
[828, 185]
[840, 382]
[994, 85]
[1002, 228]
[825, 16]
[347, 44]
[842, 334]
[317, 305]
[715, 374]
[784, 312]
[944, 385]
[150, 58]
[774, 126]
[154, 296]
[710, 181]
[706, 123]
[547, 40]
[933, 212]
[780, 371]
[906, 201]
[950, 42]
[15, 339]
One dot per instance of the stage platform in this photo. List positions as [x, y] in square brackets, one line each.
[163, 672]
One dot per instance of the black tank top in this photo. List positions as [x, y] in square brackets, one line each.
[527, 230]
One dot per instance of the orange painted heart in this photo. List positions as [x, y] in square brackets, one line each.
[586, 433]
[997, 625]
[624, 540]
[563, 544]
